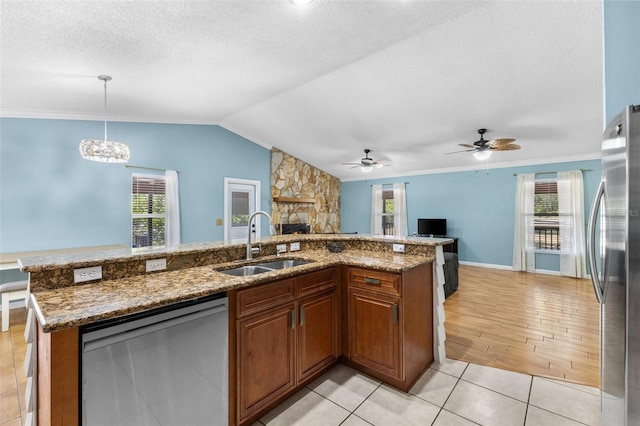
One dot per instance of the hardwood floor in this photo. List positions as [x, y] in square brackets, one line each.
[543, 325]
[12, 378]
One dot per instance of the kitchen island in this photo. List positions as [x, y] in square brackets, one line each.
[366, 274]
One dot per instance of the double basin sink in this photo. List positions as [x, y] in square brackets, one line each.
[260, 268]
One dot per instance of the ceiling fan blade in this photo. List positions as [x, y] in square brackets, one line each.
[355, 167]
[508, 147]
[379, 164]
[351, 164]
[466, 145]
[502, 141]
[456, 152]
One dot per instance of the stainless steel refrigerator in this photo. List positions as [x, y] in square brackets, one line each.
[614, 259]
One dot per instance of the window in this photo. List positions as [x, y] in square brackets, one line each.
[388, 212]
[148, 219]
[240, 207]
[546, 215]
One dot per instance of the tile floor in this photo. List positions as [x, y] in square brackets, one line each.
[453, 393]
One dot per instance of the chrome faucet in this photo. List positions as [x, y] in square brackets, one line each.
[249, 248]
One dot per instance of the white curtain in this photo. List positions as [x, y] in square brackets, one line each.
[524, 258]
[400, 210]
[172, 209]
[376, 209]
[572, 234]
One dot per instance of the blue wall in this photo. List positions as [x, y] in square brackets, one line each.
[621, 55]
[52, 198]
[479, 207]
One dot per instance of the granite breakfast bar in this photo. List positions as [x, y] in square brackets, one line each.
[58, 307]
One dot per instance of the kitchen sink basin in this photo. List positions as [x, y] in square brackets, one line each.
[245, 271]
[260, 268]
[284, 264]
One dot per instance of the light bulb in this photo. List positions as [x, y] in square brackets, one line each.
[482, 155]
[366, 169]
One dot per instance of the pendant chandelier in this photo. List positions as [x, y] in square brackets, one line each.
[104, 150]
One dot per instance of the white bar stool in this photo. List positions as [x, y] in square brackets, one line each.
[14, 290]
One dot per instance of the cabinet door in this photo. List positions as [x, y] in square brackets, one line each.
[374, 331]
[266, 358]
[317, 333]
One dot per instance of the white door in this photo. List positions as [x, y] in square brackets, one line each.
[241, 199]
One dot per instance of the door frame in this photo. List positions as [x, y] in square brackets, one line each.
[227, 202]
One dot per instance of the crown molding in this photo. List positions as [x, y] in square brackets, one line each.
[48, 115]
[484, 166]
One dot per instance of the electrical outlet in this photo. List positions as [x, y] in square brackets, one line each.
[87, 274]
[156, 265]
[281, 248]
[398, 248]
[294, 247]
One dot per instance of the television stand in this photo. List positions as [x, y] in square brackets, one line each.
[452, 247]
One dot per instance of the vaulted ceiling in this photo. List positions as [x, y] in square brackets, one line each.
[407, 79]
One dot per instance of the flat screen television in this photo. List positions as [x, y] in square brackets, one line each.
[435, 227]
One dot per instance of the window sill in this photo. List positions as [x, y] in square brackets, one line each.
[546, 251]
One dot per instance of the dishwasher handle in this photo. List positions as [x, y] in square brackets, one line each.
[91, 344]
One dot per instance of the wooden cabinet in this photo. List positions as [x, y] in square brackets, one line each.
[266, 358]
[389, 323]
[57, 377]
[317, 333]
[285, 334]
[374, 334]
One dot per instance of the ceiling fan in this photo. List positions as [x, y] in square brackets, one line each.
[367, 164]
[482, 147]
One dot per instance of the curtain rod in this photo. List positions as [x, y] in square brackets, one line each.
[129, 166]
[383, 184]
[548, 173]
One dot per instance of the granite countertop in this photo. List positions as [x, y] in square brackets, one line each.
[77, 305]
[89, 258]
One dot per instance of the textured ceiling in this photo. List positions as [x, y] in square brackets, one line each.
[407, 79]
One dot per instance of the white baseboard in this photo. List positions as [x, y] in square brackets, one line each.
[510, 268]
[546, 272]
[486, 265]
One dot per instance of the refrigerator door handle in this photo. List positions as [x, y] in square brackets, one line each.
[591, 247]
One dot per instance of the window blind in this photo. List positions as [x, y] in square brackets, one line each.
[148, 203]
[546, 217]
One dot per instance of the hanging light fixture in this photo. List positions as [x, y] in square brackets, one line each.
[482, 155]
[104, 150]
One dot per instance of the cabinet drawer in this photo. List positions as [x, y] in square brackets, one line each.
[316, 281]
[265, 296]
[374, 280]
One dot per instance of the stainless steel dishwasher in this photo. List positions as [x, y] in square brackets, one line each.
[166, 366]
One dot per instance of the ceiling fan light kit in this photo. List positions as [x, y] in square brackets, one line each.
[104, 150]
[367, 164]
[482, 155]
[482, 148]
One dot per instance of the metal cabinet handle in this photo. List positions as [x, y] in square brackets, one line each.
[394, 312]
[372, 281]
[301, 315]
[292, 318]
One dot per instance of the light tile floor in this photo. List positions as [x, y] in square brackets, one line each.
[453, 393]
